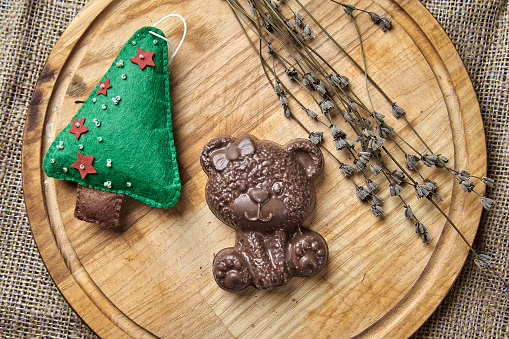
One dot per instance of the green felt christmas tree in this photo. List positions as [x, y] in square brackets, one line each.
[121, 142]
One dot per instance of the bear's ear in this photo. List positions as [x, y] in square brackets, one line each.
[308, 156]
[206, 157]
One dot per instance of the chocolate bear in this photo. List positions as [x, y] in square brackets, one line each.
[264, 191]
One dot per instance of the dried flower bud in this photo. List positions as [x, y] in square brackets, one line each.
[353, 105]
[375, 169]
[368, 134]
[286, 111]
[311, 113]
[366, 121]
[371, 186]
[359, 165]
[309, 79]
[419, 228]
[385, 23]
[343, 80]
[398, 176]
[426, 238]
[384, 130]
[346, 170]
[290, 25]
[430, 185]
[411, 161]
[374, 17]
[421, 191]
[338, 80]
[364, 156]
[377, 210]
[278, 88]
[349, 143]
[326, 106]
[268, 22]
[379, 117]
[397, 111]
[291, 73]
[299, 19]
[377, 200]
[488, 182]
[408, 212]
[441, 161]
[308, 31]
[487, 203]
[340, 144]
[320, 88]
[467, 185]
[348, 9]
[316, 137]
[348, 116]
[375, 143]
[463, 175]
[429, 159]
[337, 133]
[283, 100]
[270, 50]
[362, 193]
[483, 261]
[274, 4]
[395, 190]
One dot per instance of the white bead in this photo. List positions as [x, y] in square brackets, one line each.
[124, 76]
[82, 166]
[133, 42]
[128, 184]
[80, 146]
[77, 124]
[64, 169]
[94, 99]
[104, 106]
[99, 139]
[52, 161]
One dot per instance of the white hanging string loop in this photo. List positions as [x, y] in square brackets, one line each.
[173, 51]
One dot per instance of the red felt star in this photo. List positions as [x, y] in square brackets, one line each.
[103, 87]
[78, 127]
[84, 164]
[143, 59]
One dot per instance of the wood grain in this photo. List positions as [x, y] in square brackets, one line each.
[153, 278]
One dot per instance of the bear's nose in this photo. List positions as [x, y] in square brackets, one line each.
[258, 195]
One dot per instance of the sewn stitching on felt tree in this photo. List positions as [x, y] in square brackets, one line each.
[121, 139]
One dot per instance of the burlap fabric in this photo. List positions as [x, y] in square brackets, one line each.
[30, 304]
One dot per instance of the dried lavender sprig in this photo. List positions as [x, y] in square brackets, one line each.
[308, 64]
[314, 61]
[393, 104]
[477, 256]
[363, 60]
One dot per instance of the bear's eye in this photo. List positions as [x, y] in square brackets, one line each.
[277, 187]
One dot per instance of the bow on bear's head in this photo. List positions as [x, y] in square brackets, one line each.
[241, 147]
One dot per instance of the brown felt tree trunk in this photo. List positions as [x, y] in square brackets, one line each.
[99, 207]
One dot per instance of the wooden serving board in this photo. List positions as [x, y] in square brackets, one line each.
[153, 278]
